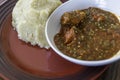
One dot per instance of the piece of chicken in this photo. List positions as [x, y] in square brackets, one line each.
[69, 35]
[72, 18]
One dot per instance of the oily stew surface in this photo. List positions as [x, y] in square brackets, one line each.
[89, 34]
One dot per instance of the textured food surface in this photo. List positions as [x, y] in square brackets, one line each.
[29, 18]
[89, 34]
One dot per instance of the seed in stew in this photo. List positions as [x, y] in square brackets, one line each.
[89, 34]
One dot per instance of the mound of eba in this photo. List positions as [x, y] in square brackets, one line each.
[29, 18]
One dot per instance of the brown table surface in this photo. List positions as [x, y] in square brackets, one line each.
[112, 73]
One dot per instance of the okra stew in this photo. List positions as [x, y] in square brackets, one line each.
[89, 34]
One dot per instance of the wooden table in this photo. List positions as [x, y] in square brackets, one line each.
[112, 73]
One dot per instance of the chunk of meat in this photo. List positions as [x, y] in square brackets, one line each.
[72, 18]
[69, 35]
[65, 19]
[99, 18]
